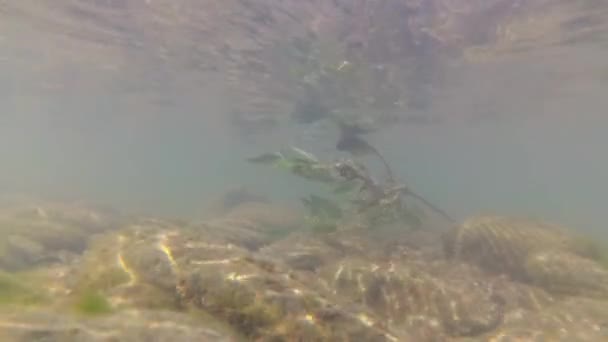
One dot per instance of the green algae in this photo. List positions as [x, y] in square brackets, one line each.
[593, 248]
[52, 235]
[92, 303]
[15, 291]
[248, 314]
[102, 279]
[215, 323]
[101, 268]
[599, 252]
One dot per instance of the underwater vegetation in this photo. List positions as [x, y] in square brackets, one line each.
[16, 291]
[323, 214]
[355, 193]
[595, 248]
[92, 303]
[38, 233]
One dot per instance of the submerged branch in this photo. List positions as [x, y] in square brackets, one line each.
[429, 204]
[387, 197]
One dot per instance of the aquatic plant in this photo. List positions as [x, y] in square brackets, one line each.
[323, 214]
[14, 291]
[92, 303]
[593, 247]
[101, 268]
[300, 163]
[354, 192]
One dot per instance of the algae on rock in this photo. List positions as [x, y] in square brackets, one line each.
[39, 232]
[15, 291]
[531, 251]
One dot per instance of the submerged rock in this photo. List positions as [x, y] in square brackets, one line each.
[303, 252]
[409, 298]
[574, 319]
[530, 251]
[233, 198]
[42, 232]
[568, 273]
[502, 244]
[133, 267]
[232, 279]
[264, 302]
[44, 325]
[252, 225]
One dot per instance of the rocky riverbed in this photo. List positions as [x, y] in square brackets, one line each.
[72, 272]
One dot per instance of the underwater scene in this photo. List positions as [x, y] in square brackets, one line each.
[303, 170]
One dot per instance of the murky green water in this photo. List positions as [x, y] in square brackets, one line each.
[153, 107]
